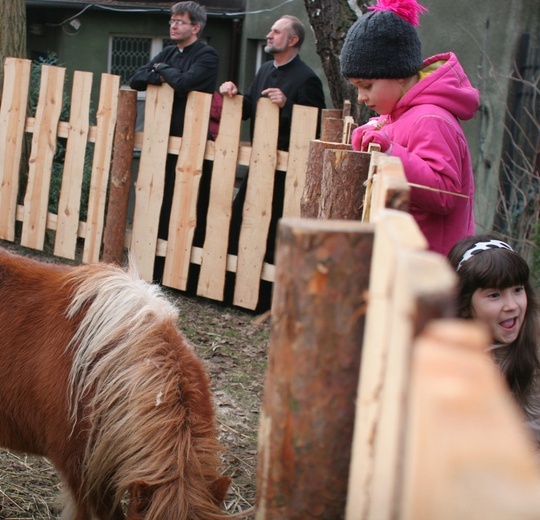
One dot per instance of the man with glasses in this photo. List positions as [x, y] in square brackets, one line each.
[188, 65]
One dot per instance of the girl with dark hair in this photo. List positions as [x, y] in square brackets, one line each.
[494, 287]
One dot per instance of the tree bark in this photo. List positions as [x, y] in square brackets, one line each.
[13, 33]
[342, 185]
[120, 182]
[330, 21]
[309, 396]
[309, 205]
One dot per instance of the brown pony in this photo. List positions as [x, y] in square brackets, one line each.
[95, 375]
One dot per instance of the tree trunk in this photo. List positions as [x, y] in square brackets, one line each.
[13, 33]
[330, 21]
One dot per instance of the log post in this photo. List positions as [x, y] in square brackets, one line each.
[309, 205]
[322, 271]
[331, 112]
[342, 185]
[332, 130]
[120, 183]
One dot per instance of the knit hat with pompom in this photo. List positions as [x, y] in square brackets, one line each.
[384, 44]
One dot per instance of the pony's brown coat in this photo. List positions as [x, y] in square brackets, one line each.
[95, 375]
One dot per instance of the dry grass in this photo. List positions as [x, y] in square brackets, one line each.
[233, 346]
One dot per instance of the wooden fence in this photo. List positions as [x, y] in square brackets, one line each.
[395, 411]
[68, 232]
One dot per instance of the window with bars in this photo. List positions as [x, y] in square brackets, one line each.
[128, 53]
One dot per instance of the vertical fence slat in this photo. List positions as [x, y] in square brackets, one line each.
[12, 124]
[44, 144]
[101, 165]
[257, 210]
[188, 175]
[151, 177]
[69, 204]
[303, 131]
[395, 230]
[214, 254]
[419, 276]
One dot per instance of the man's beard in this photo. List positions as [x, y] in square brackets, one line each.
[271, 49]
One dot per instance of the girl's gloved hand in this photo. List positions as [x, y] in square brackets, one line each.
[358, 133]
[376, 137]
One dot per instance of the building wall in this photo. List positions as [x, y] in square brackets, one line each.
[256, 27]
[88, 48]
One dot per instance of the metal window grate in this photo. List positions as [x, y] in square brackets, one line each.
[128, 53]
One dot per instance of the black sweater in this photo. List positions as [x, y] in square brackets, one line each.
[196, 68]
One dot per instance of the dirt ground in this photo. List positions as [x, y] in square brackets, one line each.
[233, 345]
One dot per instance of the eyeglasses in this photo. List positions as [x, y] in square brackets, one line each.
[179, 22]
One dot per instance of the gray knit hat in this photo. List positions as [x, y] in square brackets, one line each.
[384, 44]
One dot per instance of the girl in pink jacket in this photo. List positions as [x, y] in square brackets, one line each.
[420, 104]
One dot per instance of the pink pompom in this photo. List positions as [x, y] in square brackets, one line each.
[409, 10]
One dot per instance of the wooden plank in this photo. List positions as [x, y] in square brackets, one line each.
[150, 182]
[423, 289]
[467, 454]
[69, 203]
[395, 230]
[214, 254]
[390, 188]
[303, 131]
[257, 210]
[188, 175]
[308, 410]
[101, 165]
[44, 143]
[12, 124]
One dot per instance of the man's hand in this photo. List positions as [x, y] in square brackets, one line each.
[276, 96]
[228, 89]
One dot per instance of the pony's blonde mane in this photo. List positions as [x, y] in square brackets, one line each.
[129, 386]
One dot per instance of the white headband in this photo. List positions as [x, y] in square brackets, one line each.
[483, 246]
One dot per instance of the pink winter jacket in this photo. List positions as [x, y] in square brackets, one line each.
[427, 136]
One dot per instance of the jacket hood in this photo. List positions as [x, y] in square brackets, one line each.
[447, 86]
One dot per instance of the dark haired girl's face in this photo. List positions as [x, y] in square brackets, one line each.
[503, 310]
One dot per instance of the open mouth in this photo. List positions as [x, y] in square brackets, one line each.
[508, 324]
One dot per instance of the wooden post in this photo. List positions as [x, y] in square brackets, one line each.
[336, 113]
[332, 130]
[342, 186]
[120, 181]
[309, 205]
[322, 271]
